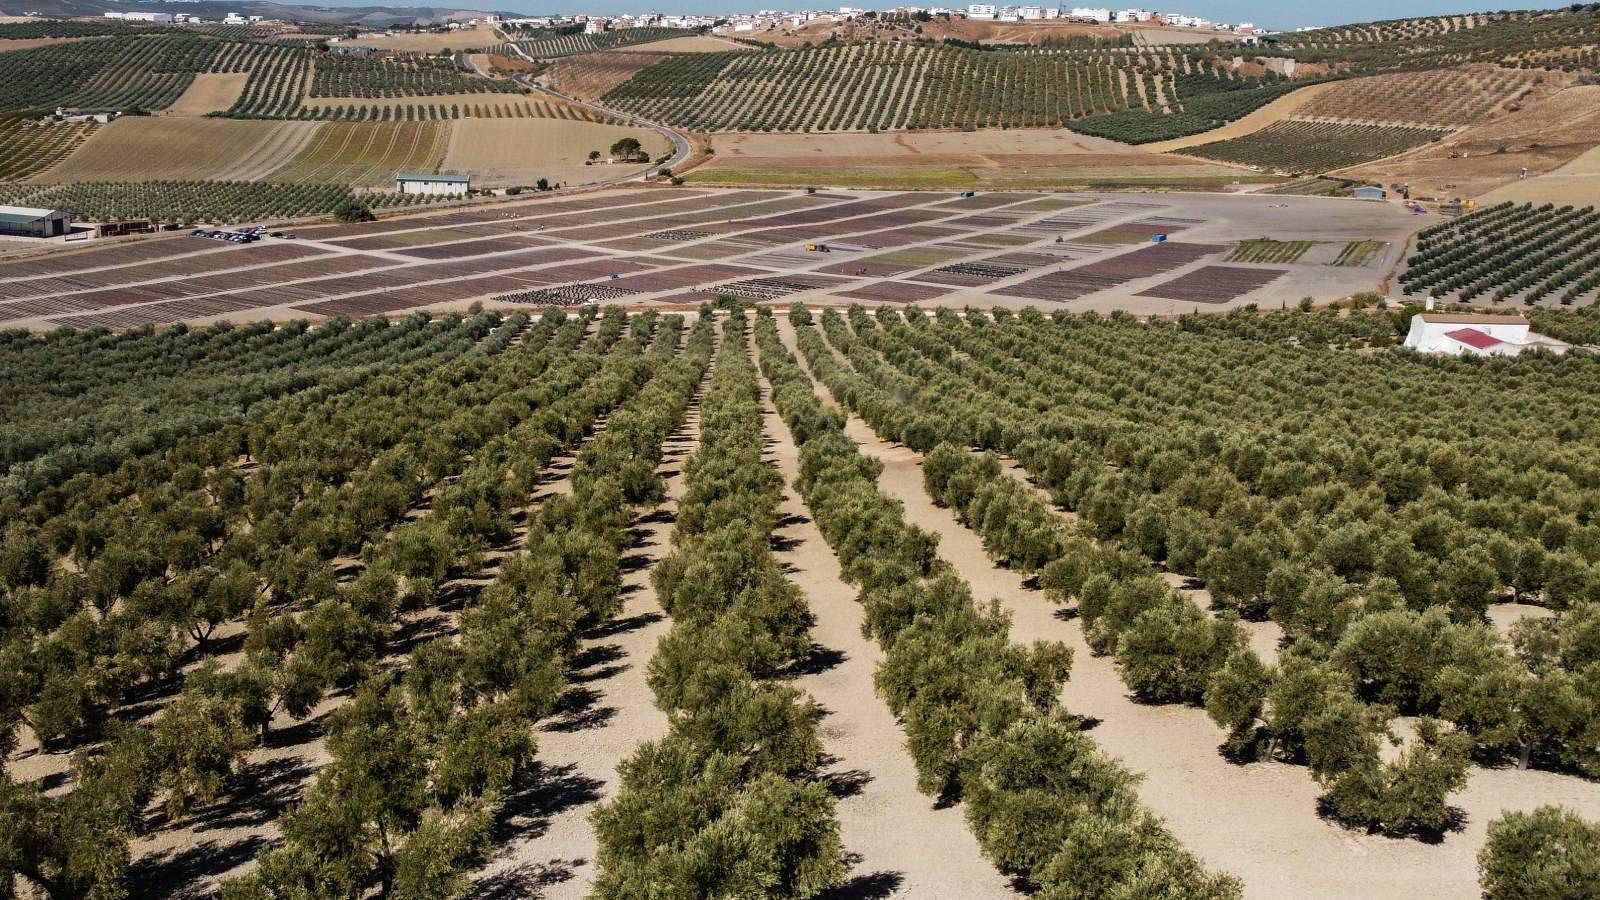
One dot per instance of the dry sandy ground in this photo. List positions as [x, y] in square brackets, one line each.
[1577, 183]
[1543, 136]
[501, 152]
[209, 92]
[1278, 109]
[1257, 821]
[29, 43]
[889, 828]
[993, 158]
[606, 713]
[172, 147]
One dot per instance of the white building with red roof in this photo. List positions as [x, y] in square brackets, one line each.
[1476, 334]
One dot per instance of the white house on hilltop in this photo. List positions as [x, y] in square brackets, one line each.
[1475, 334]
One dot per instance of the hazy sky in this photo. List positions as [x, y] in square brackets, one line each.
[1269, 13]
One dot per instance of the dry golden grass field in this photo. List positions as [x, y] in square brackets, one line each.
[1015, 158]
[209, 92]
[367, 154]
[504, 152]
[157, 148]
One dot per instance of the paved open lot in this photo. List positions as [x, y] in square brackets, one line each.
[684, 245]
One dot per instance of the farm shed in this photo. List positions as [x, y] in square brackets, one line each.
[1370, 192]
[431, 184]
[1476, 335]
[22, 221]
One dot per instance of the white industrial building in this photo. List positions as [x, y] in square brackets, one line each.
[432, 185]
[1476, 334]
[25, 221]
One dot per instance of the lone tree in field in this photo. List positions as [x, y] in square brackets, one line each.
[627, 149]
[352, 210]
[594, 155]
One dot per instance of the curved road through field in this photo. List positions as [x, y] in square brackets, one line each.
[680, 144]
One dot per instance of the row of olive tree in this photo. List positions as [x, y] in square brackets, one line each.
[723, 805]
[981, 714]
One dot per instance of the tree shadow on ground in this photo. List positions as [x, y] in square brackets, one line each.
[578, 710]
[1455, 822]
[180, 872]
[819, 659]
[871, 886]
[624, 625]
[523, 882]
[549, 791]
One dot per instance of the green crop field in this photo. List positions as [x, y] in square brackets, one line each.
[1297, 146]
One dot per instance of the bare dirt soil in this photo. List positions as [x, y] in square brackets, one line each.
[607, 711]
[1543, 135]
[990, 158]
[209, 92]
[503, 152]
[888, 826]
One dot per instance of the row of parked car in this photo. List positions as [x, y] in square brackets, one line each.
[240, 236]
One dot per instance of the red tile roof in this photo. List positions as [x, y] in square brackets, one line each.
[1472, 337]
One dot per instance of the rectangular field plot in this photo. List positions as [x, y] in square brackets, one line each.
[101, 257]
[1126, 233]
[1070, 284]
[688, 276]
[1213, 284]
[984, 271]
[477, 248]
[778, 286]
[894, 292]
[899, 237]
[236, 257]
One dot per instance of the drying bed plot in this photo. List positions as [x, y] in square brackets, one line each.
[984, 271]
[1266, 250]
[1297, 146]
[894, 292]
[897, 237]
[893, 263]
[476, 248]
[1213, 284]
[1510, 250]
[779, 286]
[1126, 233]
[1070, 284]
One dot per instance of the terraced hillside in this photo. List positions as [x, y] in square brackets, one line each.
[1133, 96]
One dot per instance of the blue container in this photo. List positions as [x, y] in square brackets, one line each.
[1157, 238]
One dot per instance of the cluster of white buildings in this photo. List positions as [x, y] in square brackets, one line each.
[766, 19]
[597, 24]
[161, 18]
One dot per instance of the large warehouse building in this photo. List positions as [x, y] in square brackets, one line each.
[23, 221]
[434, 185]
